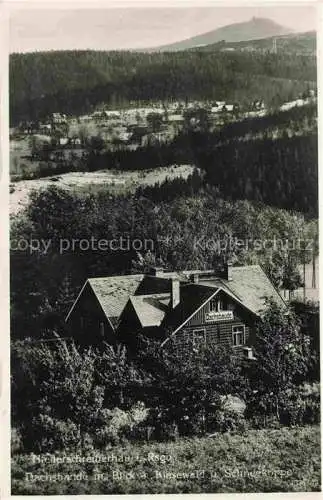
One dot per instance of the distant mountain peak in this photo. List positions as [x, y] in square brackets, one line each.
[255, 28]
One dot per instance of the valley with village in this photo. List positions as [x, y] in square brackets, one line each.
[40, 150]
[164, 280]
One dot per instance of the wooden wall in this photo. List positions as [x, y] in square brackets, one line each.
[218, 332]
[87, 331]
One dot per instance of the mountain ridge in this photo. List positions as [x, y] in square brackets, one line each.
[255, 28]
[292, 43]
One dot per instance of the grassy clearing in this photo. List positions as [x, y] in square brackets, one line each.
[286, 459]
[92, 182]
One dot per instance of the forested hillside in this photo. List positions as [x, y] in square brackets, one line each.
[299, 43]
[194, 229]
[76, 81]
[271, 159]
[278, 172]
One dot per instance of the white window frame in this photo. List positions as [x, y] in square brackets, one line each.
[199, 330]
[234, 333]
[218, 305]
[212, 304]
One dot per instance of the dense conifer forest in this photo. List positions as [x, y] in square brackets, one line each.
[270, 159]
[176, 219]
[75, 82]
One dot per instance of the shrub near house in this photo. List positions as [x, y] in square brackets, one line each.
[64, 388]
[88, 401]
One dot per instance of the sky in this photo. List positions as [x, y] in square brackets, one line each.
[62, 28]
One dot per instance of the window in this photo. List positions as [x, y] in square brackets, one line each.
[213, 305]
[216, 305]
[102, 329]
[199, 335]
[238, 335]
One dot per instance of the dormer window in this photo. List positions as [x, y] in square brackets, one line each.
[216, 305]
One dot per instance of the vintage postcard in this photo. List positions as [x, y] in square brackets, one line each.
[164, 284]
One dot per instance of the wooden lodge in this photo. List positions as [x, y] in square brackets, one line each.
[185, 307]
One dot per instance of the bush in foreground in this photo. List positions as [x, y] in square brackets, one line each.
[258, 461]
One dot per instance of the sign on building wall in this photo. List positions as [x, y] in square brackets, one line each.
[219, 316]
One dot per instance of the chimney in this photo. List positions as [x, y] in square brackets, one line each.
[156, 271]
[228, 271]
[194, 277]
[175, 293]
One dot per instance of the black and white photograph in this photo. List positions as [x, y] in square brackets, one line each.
[164, 248]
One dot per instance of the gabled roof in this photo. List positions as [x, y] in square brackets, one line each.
[150, 295]
[158, 284]
[193, 296]
[150, 309]
[113, 292]
[250, 285]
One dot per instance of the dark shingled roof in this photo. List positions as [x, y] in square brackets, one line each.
[150, 295]
[113, 292]
[250, 285]
[151, 309]
[157, 284]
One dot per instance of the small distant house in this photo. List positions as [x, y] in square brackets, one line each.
[63, 141]
[138, 133]
[218, 106]
[292, 104]
[31, 127]
[112, 114]
[45, 139]
[98, 115]
[258, 105]
[124, 136]
[154, 138]
[175, 118]
[76, 141]
[229, 108]
[85, 119]
[176, 308]
[176, 121]
[45, 127]
[173, 107]
[59, 118]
